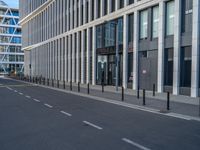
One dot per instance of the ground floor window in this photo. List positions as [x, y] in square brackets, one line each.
[168, 66]
[185, 74]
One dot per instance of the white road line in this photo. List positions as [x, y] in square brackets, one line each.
[28, 97]
[92, 125]
[21, 93]
[36, 100]
[15, 91]
[135, 144]
[9, 88]
[65, 113]
[47, 105]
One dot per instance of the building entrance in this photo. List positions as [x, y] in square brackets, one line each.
[106, 70]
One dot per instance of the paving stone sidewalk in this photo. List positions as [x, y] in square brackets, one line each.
[178, 104]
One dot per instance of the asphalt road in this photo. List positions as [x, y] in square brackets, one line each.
[36, 118]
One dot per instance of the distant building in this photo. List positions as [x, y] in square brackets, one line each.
[156, 42]
[11, 54]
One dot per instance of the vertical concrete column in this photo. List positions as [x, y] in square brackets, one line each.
[195, 49]
[66, 59]
[53, 61]
[69, 58]
[109, 6]
[94, 55]
[126, 2]
[59, 58]
[64, 13]
[71, 15]
[125, 50]
[84, 11]
[161, 33]
[95, 9]
[135, 50]
[102, 7]
[83, 57]
[177, 29]
[117, 5]
[68, 13]
[78, 57]
[80, 12]
[73, 57]
[75, 13]
[90, 10]
[88, 55]
[56, 59]
[50, 61]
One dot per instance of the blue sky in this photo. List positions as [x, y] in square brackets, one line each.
[12, 3]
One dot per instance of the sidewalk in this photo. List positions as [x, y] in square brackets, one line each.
[183, 105]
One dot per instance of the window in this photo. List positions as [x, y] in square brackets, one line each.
[187, 16]
[155, 21]
[170, 18]
[113, 6]
[168, 64]
[99, 32]
[143, 24]
[185, 76]
[131, 1]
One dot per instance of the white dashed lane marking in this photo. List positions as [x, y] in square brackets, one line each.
[47, 105]
[9, 88]
[135, 144]
[36, 100]
[65, 113]
[92, 125]
[28, 97]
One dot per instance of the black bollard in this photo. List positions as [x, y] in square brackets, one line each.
[154, 89]
[70, 85]
[144, 97]
[88, 88]
[57, 83]
[44, 81]
[199, 106]
[138, 93]
[63, 84]
[122, 93]
[78, 86]
[168, 100]
[52, 83]
[102, 84]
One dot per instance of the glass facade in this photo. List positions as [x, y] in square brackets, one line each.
[170, 18]
[187, 16]
[186, 61]
[155, 21]
[11, 55]
[168, 66]
[143, 24]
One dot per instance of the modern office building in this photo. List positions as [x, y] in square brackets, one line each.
[11, 54]
[131, 43]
